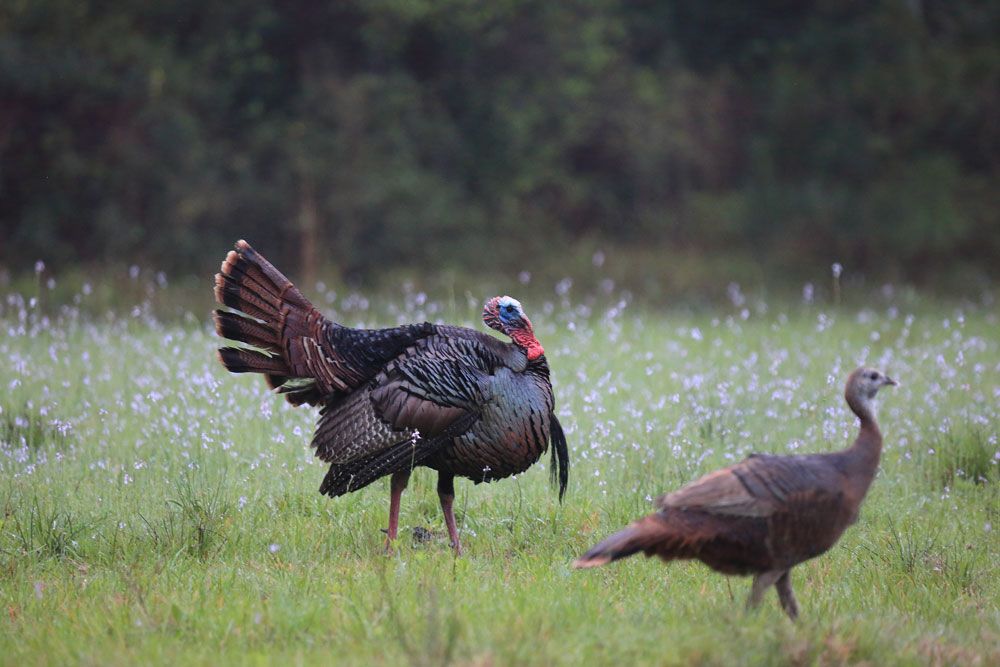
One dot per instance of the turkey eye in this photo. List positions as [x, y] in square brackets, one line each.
[509, 308]
[874, 376]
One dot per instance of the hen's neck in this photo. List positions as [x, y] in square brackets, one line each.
[863, 455]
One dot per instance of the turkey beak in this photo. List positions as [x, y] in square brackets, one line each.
[889, 382]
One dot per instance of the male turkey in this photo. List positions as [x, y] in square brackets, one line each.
[766, 514]
[453, 399]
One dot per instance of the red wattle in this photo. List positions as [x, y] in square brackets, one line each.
[535, 350]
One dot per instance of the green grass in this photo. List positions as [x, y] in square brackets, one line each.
[157, 510]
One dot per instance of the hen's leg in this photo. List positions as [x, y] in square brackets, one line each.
[761, 582]
[786, 596]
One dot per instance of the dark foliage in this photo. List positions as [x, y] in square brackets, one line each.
[394, 132]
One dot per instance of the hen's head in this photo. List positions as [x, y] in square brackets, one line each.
[862, 386]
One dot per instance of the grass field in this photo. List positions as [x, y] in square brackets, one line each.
[159, 510]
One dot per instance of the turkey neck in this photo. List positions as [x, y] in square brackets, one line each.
[862, 457]
[539, 369]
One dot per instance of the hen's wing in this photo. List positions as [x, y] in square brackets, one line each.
[759, 486]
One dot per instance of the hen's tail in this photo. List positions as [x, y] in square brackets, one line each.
[728, 544]
[622, 544]
[668, 535]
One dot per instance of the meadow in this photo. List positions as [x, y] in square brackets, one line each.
[156, 509]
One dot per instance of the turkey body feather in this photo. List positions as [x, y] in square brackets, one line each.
[450, 398]
[765, 514]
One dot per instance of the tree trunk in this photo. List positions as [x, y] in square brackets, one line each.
[309, 231]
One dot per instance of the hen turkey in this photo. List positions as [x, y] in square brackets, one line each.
[766, 514]
[450, 398]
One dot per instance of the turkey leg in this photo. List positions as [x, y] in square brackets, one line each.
[446, 492]
[786, 596]
[761, 582]
[396, 485]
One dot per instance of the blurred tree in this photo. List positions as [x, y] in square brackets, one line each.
[458, 133]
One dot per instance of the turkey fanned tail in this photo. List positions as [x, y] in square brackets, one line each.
[305, 356]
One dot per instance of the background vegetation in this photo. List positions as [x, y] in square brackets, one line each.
[370, 136]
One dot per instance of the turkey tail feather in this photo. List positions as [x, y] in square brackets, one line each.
[245, 298]
[249, 268]
[277, 312]
[242, 360]
[237, 327]
[311, 358]
[622, 544]
[250, 284]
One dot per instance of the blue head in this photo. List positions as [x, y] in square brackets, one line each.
[504, 314]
